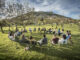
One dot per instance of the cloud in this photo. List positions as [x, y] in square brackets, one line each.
[69, 8]
[46, 6]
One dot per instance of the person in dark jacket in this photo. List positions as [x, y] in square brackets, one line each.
[43, 40]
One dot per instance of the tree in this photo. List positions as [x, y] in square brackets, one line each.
[2, 24]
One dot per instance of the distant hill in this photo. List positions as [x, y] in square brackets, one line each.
[49, 17]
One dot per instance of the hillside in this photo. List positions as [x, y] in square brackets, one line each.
[49, 17]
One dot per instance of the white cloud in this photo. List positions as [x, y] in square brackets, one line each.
[51, 7]
[61, 6]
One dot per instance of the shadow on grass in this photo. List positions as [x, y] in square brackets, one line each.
[52, 51]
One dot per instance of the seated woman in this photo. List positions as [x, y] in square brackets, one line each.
[55, 40]
[11, 35]
[63, 40]
[32, 41]
[43, 40]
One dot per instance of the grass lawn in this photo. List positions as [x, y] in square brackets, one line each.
[8, 49]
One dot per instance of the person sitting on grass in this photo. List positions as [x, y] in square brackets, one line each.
[55, 40]
[32, 41]
[34, 29]
[62, 32]
[24, 39]
[67, 32]
[69, 36]
[63, 40]
[43, 40]
[16, 29]
[18, 33]
[30, 30]
[25, 30]
[55, 31]
[59, 32]
[50, 30]
[11, 35]
[39, 29]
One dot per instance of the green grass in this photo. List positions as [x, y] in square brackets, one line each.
[8, 49]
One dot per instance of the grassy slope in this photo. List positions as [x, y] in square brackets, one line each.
[8, 49]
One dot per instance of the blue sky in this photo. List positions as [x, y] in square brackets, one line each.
[69, 8]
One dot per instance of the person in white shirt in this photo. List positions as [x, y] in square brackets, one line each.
[63, 40]
[11, 36]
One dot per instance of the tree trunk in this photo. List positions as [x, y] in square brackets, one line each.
[2, 29]
[9, 28]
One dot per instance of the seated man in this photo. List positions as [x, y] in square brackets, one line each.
[43, 41]
[32, 41]
[55, 40]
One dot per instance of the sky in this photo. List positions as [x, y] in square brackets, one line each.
[68, 8]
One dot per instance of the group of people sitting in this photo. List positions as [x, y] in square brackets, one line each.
[15, 36]
[34, 30]
[63, 40]
[55, 39]
[50, 30]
